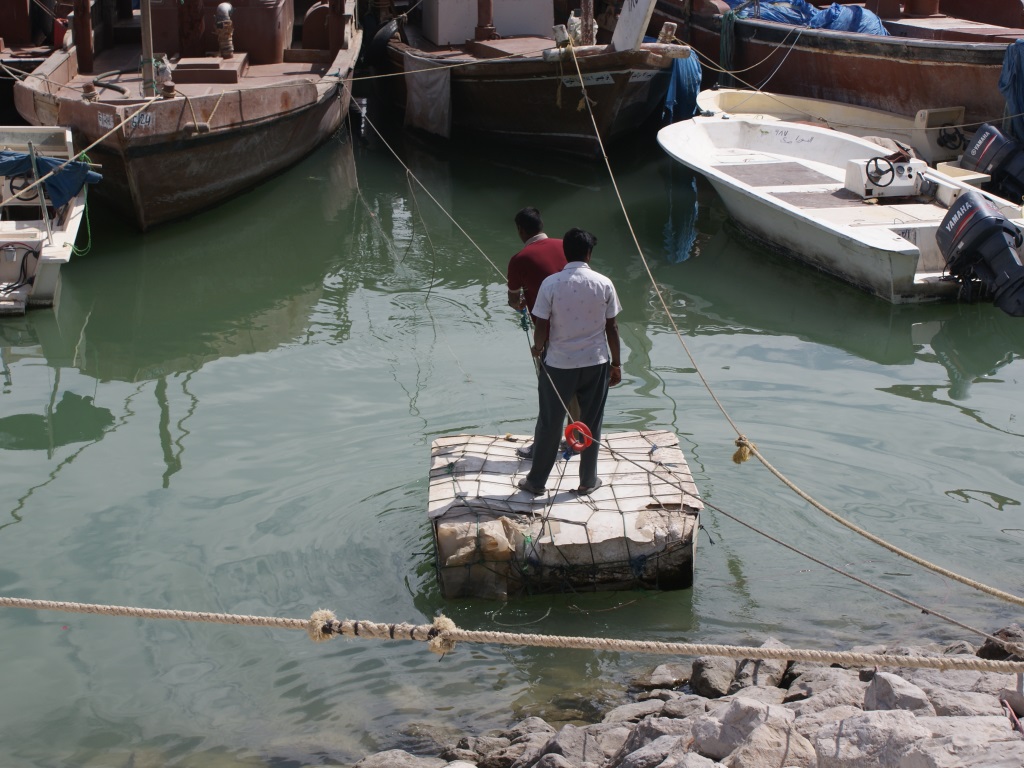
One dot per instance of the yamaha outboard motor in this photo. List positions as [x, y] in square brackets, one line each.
[1002, 158]
[980, 244]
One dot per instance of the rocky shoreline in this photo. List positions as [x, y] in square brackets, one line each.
[747, 714]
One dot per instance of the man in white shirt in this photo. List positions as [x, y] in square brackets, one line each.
[574, 318]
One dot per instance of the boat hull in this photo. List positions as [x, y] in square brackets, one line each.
[179, 156]
[895, 74]
[788, 186]
[530, 101]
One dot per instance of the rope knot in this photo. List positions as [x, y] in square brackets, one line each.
[744, 448]
[322, 626]
[439, 641]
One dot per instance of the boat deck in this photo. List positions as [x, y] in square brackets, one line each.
[124, 59]
[819, 191]
[638, 529]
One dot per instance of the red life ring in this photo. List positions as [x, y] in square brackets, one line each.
[578, 436]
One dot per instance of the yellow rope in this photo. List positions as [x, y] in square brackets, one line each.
[443, 635]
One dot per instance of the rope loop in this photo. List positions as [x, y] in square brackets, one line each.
[440, 641]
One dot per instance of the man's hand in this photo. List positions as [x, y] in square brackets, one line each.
[516, 300]
[614, 375]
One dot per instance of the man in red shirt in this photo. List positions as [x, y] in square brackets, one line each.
[540, 257]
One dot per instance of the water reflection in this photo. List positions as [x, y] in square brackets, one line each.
[159, 306]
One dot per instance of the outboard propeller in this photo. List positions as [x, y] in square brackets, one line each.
[980, 246]
[1002, 158]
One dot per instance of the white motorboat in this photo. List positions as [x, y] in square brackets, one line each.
[936, 135]
[849, 207]
[43, 192]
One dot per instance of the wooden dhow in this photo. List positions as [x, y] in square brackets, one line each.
[950, 57]
[180, 134]
[511, 78]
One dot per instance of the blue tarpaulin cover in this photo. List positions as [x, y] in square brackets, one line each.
[60, 187]
[1011, 85]
[842, 18]
[683, 87]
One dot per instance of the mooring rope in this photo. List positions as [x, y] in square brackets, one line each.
[443, 635]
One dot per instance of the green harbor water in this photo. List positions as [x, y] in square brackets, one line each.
[234, 414]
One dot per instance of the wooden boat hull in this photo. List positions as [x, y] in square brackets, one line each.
[787, 185]
[530, 101]
[895, 74]
[179, 156]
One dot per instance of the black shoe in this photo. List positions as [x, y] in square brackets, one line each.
[526, 485]
[526, 452]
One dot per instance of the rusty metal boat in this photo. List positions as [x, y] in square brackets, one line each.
[516, 76]
[189, 128]
[938, 52]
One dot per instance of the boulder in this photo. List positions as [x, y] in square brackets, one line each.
[763, 693]
[717, 734]
[868, 740]
[825, 688]
[650, 730]
[665, 676]
[682, 758]
[635, 712]
[760, 672]
[949, 703]
[889, 691]
[685, 706]
[712, 676]
[809, 724]
[590, 743]
[996, 651]
[399, 758]
[772, 744]
[526, 727]
[651, 755]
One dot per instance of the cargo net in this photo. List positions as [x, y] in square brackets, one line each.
[493, 540]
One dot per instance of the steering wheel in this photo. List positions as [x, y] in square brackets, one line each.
[18, 183]
[880, 171]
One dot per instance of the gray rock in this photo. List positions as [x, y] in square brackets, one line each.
[457, 754]
[825, 688]
[665, 676]
[760, 672]
[888, 691]
[763, 693]
[590, 743]
[650, 730]
[688, 760]
[522, 752]
[554, 761]
[650, 755]
[991, 729]
[635, 712]
[716, 735]
[957, 680]
[526, 727]
[461, 764]
[949, 703]
[771, 744]
[685, 706]
[960, 648]
[399, 758]
[868, 740]
[659, 693]
[809, 724]
[949, 752]
[992, 650]
[712, 676]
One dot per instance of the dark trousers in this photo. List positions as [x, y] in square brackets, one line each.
[590, 385]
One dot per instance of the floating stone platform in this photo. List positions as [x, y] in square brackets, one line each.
[639, 529]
